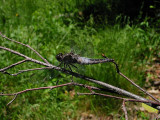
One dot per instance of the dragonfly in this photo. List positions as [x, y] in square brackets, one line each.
[71, 59]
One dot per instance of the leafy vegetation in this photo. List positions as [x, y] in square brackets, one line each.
[52, 27]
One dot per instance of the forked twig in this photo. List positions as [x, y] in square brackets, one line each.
[132, 81]
[27, 70]
[25, 46]
[49, 87]
[27, 90]
[139, 87]
[15, 96]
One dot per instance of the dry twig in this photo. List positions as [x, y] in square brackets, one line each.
[118, 71]
[124, 109]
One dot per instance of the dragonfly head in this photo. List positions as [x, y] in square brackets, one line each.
[59, 57]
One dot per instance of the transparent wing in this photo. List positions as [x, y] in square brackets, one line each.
[83, 50]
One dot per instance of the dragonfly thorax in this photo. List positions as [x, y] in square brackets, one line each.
[68, 58]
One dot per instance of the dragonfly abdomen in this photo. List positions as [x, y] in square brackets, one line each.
[86, 61]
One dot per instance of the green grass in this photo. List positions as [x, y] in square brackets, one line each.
[35, 24]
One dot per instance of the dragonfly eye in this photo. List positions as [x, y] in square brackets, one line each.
[59, 57]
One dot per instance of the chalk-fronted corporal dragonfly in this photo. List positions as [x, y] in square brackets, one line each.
[71, 58]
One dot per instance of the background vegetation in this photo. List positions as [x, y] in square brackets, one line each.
[124, 30]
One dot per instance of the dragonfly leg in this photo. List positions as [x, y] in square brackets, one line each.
[57, 82]
[74, 66]
[60, 64]
[65, 65]
[69, 67]
[72, 79]
[70, 70]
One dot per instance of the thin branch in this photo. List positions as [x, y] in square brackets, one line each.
[12, 99]
[15, 52]
[91, 87]
[25, 46]
[132, 81]
[112, 88]
[13, 65]
[52, 87]
[124, 100]
[49, 87]
[76, 84]
[20, 92]
[22, 71]
[124, 109]
[26, 57]
[121, 98]
[32, 89]
[139, 87]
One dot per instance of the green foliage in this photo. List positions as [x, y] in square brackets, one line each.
[143, 115]
[41, 24]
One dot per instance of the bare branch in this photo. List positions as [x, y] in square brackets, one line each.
[32, 89]
[26, 57]
[49, 87]
[139, 87]
[52, 87]
[25, 46]
[22, 71]
[12, 99]
[117, 68]
[15, 52]
[8, 67]
[20, 92]
[124, 100]
[124, 109]
[121, 98]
